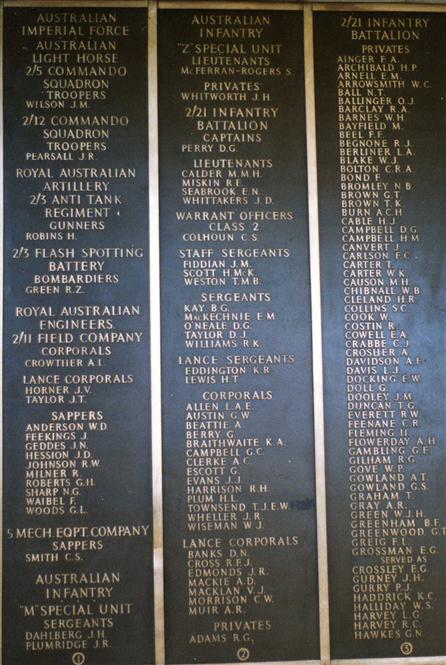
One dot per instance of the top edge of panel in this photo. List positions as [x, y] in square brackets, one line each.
[351, 5]
[327, 5]
[236, 4]
[321, 6]
[59, 4]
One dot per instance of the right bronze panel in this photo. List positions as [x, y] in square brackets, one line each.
[380, 107]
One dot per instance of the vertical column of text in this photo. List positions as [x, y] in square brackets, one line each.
[237, 408]
[387, 107]
[77, 553]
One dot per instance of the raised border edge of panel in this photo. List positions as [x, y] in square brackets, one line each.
[155, 335]
[375, 6]
[124, 4]
[316, 327]
[2, 230]
[412, 660]
[222, 4]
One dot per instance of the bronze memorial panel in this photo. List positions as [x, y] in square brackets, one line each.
[231, 449]
[380, 110]
[239, 494]
[77, 572]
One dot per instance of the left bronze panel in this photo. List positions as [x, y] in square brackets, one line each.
[77, 541]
